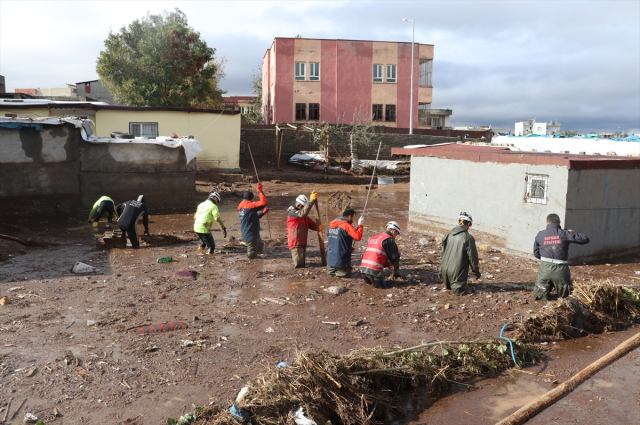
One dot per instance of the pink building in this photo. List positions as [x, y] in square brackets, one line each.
[312, 80]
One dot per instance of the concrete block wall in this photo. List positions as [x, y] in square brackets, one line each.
[56, 171]
[263, 144]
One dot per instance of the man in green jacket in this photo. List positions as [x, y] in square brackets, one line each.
[458, 253]
[102, 205]
[204, 217]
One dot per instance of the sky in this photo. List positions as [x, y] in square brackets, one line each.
[495, 62]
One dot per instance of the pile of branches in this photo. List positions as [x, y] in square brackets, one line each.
[591, 309]
[366, 386]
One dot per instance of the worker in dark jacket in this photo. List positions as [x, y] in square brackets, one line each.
[458, 253]
[102, 205]
[250, 214]
[298, 226]
[130, 213]
[341, 237]
[381, 252]
[552, 248]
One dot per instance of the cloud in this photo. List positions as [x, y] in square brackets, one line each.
[495, 62]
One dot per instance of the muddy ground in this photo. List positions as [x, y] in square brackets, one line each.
[241, 316]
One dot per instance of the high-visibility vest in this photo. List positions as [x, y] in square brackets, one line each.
[375, 256]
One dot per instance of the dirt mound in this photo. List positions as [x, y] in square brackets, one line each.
[9, 249]
[339, 201]
[591, 309]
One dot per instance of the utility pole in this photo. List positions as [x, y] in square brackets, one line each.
[413, 33]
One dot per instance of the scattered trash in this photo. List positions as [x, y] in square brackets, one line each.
[389, 295]
[82, 268]
[336, 290]
[151, 349]
[189, 343]
[282, 364]
[162, 327]
[301, 419]
[269, 330]
[487, 276]
[423, 241]
[167, 259]
[185, 419]
[30, 372]
[331, 323]
[241, 394]
[163, 296]
[385, 180]
[30, 418]
[91, 322]
[15, 288]
[356, 323]
[447, 306]
[5, 300]
[56, 412]
[239, 414]
[636, 272]
[495, 258]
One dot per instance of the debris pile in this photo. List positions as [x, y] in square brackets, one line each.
[365, 386]
[339, 201]
[591, 309]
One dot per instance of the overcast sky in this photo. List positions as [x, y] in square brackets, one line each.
[495, 62]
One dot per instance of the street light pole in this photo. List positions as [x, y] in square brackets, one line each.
[413, 33]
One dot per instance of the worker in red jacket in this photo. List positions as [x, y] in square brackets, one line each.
[250, 213]
[298, 226]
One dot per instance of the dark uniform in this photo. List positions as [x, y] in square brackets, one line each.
[341, 237]
[552, 248]
[130, 212]
[458, 253]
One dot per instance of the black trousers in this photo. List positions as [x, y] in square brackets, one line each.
[104, 207]
[132, 233]
[207, 240]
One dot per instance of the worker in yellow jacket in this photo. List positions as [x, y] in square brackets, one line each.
[102, 205]
[204, 217]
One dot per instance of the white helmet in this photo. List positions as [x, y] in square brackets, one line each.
[213, 194]
[466, 217]
[393, 225]
[301, 200]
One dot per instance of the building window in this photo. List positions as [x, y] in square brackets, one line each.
[301, 111]
[314, 111]
[425, 70]
[390, 113]
[144, 129]
[245, 109]
[537, 187]
[391, 74]
[424, 113]
[377, 73]
[435, 122]
[11, 115]
[376, 115]
[314, 71]
[87, 88]
[300, 71]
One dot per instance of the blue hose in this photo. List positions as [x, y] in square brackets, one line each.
[513, 356]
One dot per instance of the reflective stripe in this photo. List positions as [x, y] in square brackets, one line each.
[373, 263]
[554, 261]
[379, 251]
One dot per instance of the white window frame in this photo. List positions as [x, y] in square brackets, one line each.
[314, 71]
[300, 71]
[392, 69]
[144, 129]
[378, 76]
[537, 178]
[435, 122]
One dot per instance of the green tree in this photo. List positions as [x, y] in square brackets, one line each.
[255, 116]
[160, 60]
[569, 133]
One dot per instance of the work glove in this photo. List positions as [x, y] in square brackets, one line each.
[478, 275]
[265, 210]
[224, 232]
[259, 187]
[314, 196]
[361, 221]
[320, 228]
[146, 232]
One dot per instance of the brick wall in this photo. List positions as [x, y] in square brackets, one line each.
[263, 145]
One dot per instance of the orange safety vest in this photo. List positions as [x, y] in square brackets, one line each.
[375, 257]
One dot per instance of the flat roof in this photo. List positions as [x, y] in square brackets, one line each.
[346, 39]
[503, 155]
[95, 107]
